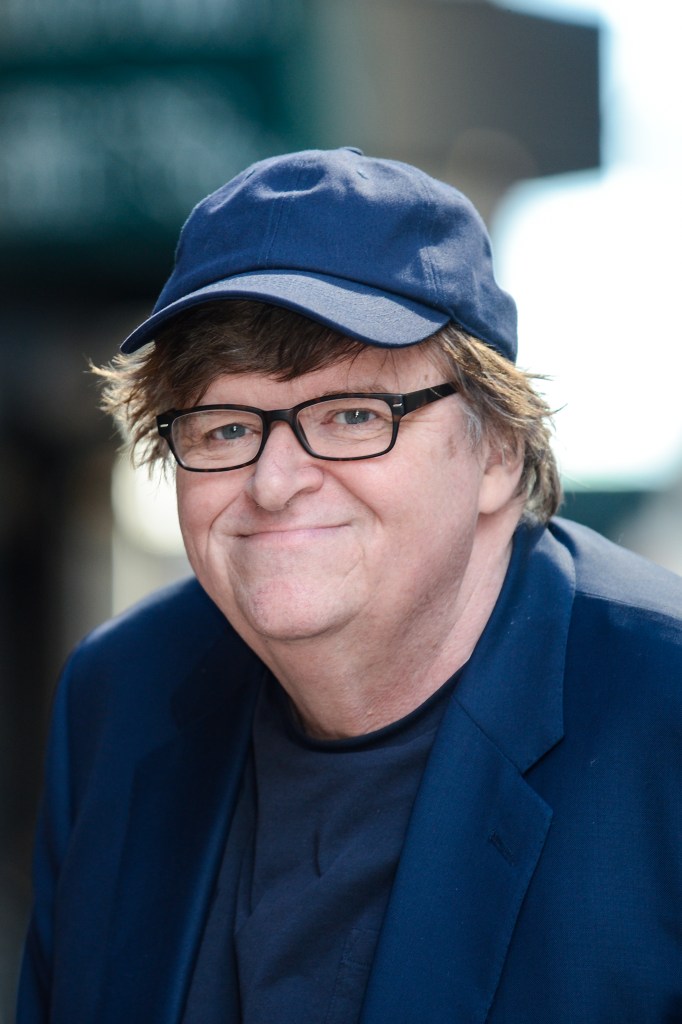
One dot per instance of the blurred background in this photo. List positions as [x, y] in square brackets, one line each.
[561, 121]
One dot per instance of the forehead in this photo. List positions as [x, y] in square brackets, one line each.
[370, 369]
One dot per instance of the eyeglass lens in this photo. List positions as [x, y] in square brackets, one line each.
[338, 428]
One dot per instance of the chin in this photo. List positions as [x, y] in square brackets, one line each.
[288, 606]
[294, 624]
[288, 618]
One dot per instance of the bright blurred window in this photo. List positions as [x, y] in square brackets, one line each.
[593, 260]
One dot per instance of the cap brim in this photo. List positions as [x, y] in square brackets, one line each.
[356, 310]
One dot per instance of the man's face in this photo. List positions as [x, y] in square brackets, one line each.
[294, 548]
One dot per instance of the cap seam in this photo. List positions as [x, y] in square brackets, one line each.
[425, 254]
[284, 206]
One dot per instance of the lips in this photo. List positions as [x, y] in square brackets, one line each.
[291, 532]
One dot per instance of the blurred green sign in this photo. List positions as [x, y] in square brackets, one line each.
[50, 27]
[116, 117]
[131, 150]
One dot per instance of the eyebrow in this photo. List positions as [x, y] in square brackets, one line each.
[368, 389]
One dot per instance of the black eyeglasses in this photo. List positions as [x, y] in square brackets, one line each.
[344, 427]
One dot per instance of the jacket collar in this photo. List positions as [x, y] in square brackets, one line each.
[512, 686]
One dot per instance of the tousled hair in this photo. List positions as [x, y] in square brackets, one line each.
[240, 336]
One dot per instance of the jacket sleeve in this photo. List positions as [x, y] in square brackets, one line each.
[54, 826]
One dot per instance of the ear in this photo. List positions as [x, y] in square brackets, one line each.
[500, 481]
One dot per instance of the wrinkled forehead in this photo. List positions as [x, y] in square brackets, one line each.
[369, 369]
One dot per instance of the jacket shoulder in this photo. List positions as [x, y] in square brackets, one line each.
[171, 656]
[178, 614]
[605, 571]
[625, 641]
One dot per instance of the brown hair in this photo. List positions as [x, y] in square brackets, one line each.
[252, 337]
[503, 405]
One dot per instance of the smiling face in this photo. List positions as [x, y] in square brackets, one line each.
[293, 548]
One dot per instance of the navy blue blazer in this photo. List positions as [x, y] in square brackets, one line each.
[541, 875]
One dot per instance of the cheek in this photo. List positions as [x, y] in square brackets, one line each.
[445, 485]
[189, 503]
[201, 500]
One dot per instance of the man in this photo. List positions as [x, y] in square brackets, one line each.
[407, 749]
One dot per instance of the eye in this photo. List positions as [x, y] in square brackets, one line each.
[354, 417]
[230, 432]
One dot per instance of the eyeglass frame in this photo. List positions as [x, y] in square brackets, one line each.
[399, 404]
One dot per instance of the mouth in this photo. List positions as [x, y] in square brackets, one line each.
[293, 534]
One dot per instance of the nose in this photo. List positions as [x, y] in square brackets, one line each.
[284, 470]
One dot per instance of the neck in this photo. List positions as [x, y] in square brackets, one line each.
[364, 677]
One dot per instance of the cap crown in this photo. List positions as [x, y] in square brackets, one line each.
[363, 229]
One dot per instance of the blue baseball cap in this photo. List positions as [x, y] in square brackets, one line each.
[375, 249]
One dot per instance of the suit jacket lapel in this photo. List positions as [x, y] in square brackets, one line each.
[181, 806]
[477, 829]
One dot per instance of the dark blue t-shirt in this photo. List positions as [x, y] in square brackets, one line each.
[309, 866]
